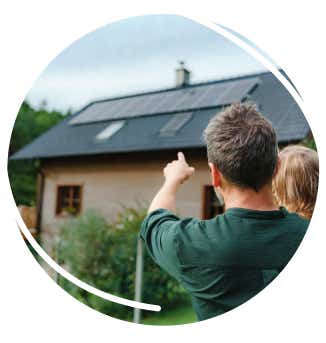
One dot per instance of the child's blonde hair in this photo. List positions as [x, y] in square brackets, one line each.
[295, 184]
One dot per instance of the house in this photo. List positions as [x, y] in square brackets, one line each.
[112, 152]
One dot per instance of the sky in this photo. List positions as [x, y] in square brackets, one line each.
[136, 55]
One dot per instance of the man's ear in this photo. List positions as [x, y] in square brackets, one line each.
[215, 175]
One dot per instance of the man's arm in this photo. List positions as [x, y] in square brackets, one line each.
[175, 174]
[160, 228]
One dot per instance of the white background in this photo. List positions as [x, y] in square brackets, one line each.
[33, 308]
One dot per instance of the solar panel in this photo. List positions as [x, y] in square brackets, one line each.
[185, 100]
[182, 99]
[175, 124]
[204, 94]
[154, 100]
[237, 91]
[165, 102]
[213, 94]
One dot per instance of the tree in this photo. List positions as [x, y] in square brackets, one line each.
[30, 123]
[309, 142]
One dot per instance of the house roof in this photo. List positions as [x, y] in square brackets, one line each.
[143, 118]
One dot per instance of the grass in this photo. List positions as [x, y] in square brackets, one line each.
[180, 315]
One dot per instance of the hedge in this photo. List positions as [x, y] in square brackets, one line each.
[103, 254]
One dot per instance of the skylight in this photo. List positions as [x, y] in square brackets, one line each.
[175, 124]
[110, 130]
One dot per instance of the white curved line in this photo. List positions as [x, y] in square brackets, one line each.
[258, 56]
[75, 280]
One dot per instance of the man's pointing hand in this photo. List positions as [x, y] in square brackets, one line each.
[178, 171]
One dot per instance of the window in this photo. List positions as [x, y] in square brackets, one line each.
[175, 124]
[110, 130]
[68, 199]
[212, 204]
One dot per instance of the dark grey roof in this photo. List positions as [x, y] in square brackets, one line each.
[142, 133]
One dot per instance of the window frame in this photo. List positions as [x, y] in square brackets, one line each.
[58, 212]
[205, 199]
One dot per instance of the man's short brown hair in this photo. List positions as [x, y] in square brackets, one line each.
[242, 144]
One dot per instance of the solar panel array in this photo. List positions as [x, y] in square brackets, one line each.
[187, 98]
[175, 124]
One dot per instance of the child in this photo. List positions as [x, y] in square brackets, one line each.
[296, 182]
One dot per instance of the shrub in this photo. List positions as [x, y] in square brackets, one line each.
[104, 255]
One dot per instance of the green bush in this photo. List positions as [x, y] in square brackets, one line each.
[104, 255]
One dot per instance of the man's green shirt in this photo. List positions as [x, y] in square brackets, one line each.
[224, 261]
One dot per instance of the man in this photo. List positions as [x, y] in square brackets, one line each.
[224, 261]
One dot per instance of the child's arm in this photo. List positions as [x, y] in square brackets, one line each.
[175, 174]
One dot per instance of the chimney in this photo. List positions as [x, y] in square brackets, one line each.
[182, 75]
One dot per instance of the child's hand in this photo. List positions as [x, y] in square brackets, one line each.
[178, 171]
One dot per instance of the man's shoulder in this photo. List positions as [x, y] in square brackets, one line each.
[164, 220]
